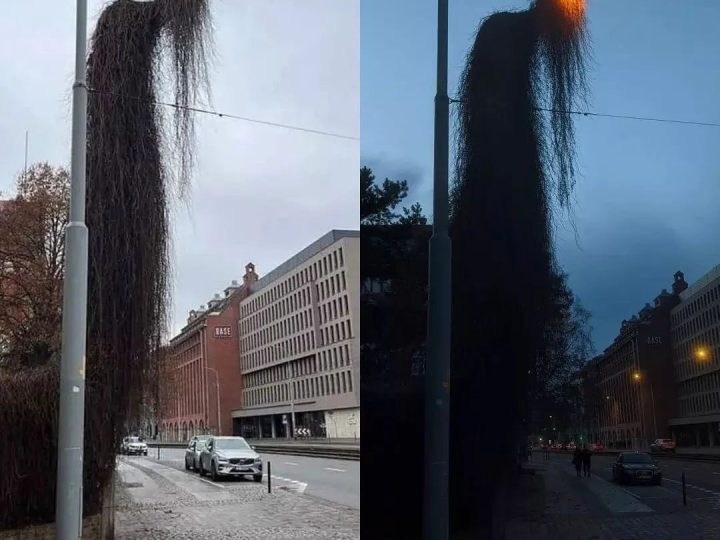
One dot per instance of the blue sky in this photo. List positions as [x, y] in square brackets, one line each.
[648, 199]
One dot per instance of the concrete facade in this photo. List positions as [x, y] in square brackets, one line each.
[300, 342]
[201, 364]
[696, 363]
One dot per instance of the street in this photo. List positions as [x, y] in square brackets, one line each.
[558, 505]
[334, 480]
[311, 498]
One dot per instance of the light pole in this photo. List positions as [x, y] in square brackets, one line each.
[71, 418]
[217, 393]
[437, 369]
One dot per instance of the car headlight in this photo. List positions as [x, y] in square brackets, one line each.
[222, 460]
[258, 460]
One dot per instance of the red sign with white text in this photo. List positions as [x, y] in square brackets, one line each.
[223, 331]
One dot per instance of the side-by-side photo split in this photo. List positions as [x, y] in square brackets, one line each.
[520, 292]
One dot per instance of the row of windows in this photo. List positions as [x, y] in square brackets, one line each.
[277, 310]
[189, 390]
[703, 403]
[334, 309]
[710, 381]
[700, 322]
[322, 267]
[325, 360]
[269, 334]
[289, 347]
[323, 385]
[336, 332]
[703, 301]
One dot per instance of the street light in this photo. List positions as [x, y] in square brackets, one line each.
[702, 354]
[217, 392]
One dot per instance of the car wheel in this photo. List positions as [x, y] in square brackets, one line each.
[213, 472]
[257, 477]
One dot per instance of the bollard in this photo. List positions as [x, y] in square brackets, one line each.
[269, 478]
[684, 492]
[158, 452]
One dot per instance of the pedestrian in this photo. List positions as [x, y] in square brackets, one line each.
[586, 453]
[577, 460]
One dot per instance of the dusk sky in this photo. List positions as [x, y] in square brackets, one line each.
[260, 193]
[648, 198]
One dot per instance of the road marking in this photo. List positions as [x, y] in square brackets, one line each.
[209, 481]
[299, 487]
[336, 470]
[290, 463]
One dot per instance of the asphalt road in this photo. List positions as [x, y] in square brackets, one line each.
[702, 482]
[334, 480]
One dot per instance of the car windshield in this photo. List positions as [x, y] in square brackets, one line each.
[636, 458]
[133, 439]
[231, 444]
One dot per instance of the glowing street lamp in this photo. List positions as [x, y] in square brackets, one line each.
[702, 354]
[637, 376]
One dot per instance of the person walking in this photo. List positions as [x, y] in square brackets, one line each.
[577, 460]
[586, 454]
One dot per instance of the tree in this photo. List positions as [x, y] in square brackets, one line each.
[567, 345]
[377, 202]
[32, 249]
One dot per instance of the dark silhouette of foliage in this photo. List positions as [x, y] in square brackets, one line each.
[377, 203]
[131, 154]
[510, 164]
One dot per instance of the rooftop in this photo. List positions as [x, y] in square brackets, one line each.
[708, 278]
[296, 260]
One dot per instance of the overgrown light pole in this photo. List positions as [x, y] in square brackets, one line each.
[437, 367]
[71, 421]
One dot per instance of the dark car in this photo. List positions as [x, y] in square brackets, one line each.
[192, 453]
[636, 467]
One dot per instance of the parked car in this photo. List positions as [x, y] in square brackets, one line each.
[230, 456]
[636, 467]
[571, 447]
[662, 445]
[133, 445]
[192, 453]
[597, 447]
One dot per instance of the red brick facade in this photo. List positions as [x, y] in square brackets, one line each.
[203, 356]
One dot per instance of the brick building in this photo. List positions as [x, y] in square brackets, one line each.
[630, 388]
[696, 361]
[202, 382]
[300, 344]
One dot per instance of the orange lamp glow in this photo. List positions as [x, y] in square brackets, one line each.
[702, 353]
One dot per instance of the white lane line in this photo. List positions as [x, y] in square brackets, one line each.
[290, 463]
[336, 470]
[298, 486]
[210, 482]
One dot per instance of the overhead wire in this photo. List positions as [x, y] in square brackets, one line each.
[228, 115]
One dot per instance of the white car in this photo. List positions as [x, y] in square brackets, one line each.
[134, 446]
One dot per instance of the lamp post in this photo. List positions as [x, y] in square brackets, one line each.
[217, 393]
[71, 417]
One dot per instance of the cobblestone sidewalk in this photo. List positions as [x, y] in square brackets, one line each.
[246, 511]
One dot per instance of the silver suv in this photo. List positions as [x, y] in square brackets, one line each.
[230, 456]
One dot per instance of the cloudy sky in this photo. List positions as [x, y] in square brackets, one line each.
[647, 202]
[260, 193]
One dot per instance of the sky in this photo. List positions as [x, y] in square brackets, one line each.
[647, 199]
[259, 193]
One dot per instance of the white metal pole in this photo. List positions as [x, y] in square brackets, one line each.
[71, 420]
